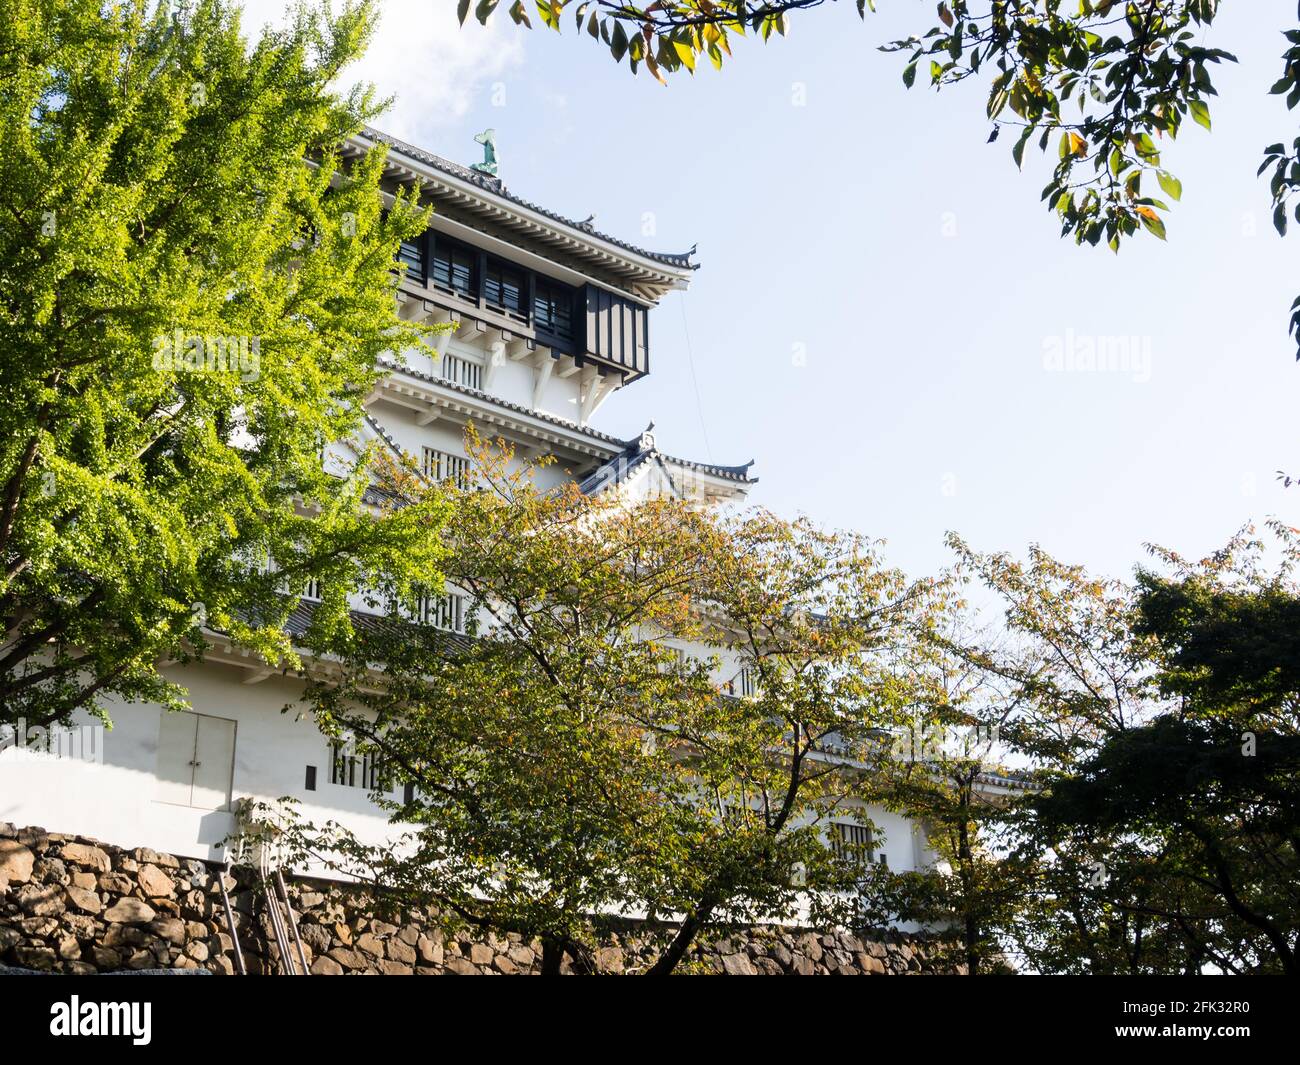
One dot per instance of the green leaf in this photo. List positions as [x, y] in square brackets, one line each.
[1170, 184]
[1200, 113]
[1018, 151]
[1151, 222]
[618, 46]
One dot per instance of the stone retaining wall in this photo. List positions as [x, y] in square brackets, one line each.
[74, 905]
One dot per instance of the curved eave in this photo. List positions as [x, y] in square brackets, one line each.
[643, 274]
[408, 388]
[423, 393]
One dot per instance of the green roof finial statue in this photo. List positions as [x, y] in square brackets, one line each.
[488, 138]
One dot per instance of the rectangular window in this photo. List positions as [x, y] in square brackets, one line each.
[455, 268]
[851, 841]
[312, 591]
[446, 612]
[411, 253]
[442, 466]
[743, 684]
[355, 770]
[504, 288]
[746, 682]
[462, 371]
[553, 308]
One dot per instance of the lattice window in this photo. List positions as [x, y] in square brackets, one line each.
[505, 288]
[744, 684]
[445, 611]
[455, 268]
[411, 252]
[444, 466]
[553, 308]
[356, 769]
[852, 841]
[461, 371]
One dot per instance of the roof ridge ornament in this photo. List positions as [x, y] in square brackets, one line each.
[488, 138]
[646, 441]
[484, 179]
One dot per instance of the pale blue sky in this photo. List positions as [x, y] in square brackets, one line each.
[915, 265]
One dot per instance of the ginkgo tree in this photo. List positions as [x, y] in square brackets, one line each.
[1104, 86]
[195, 293]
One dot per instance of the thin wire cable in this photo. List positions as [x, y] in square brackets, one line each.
[690, 359]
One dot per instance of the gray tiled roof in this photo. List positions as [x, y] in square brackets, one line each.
[681, 261]
[625, 449]
[505, 404]
[619, 468]
[300, 618]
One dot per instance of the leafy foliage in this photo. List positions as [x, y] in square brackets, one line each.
[1133, 72]
[1157, 724]
[1286, 163]
[191, 305]
[664, 37]
[1199, 834]
[947, 777]
[567, 763]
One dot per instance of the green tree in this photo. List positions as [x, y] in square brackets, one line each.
[193, 296]
[1157, 725]
[567, 765]
[1098, 82]
[1197, 840]
[948, 777]
[1214, 785]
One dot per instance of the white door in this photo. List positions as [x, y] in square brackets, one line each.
[196, 760]
[175, 753]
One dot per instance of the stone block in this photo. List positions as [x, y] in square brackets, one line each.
[129, 911]
[85, 855]
[154, 883]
